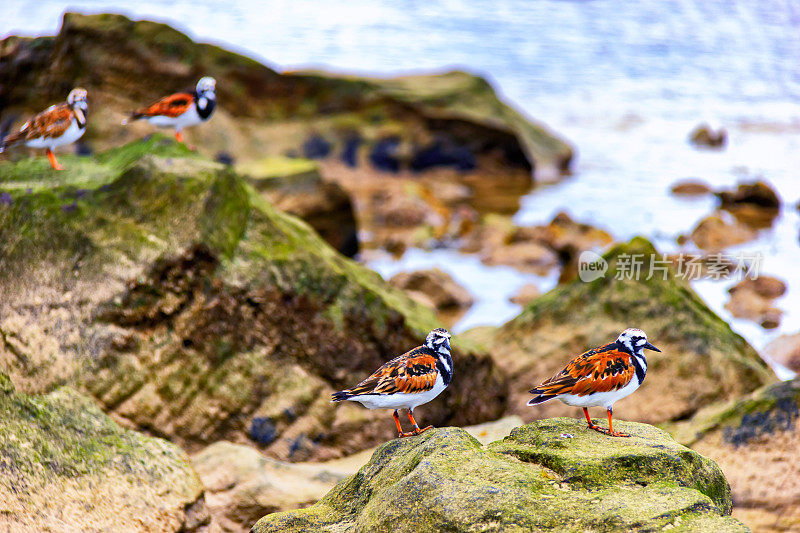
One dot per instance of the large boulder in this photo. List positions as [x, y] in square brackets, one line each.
[549, 475]
[186, 304]
[68, 467]
[702, 359]
[453, 120]
[242, 484]
[755, 440]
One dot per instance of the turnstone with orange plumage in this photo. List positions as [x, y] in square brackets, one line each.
[407, 381]
[600, 376]
[58, 125]
[180, 110]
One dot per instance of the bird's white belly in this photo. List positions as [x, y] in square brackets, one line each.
[400, 400]
[606, 399]
[72, 134]
[189, 118]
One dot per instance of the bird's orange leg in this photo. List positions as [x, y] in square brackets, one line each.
[52, 157]
[179, 136]
[400, 432]
[591, 424]
[417, 430]
[611, 428]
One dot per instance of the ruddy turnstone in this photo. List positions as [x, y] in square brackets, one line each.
[57, 125]
[180, 110]
[407, 381]
[600, 376]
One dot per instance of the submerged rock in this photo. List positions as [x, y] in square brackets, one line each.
[754, 439]
[549, 475]
[756, 204]
[785, 350]
[699, 350]
[706, 137]
[68, 467]
[186, 304]
[690, 188]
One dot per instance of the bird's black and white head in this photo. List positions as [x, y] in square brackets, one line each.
[634, 341]
[207, 87]
[77, 99]
[438, 340]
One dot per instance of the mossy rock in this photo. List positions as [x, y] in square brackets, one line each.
[702, 360]
[549, 475]
[66, 465]
[754, 439]
[262, 112]
[173, 292]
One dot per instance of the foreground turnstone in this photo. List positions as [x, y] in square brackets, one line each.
[57, 125]
[600, 376]
[180, 110]
[414, 378]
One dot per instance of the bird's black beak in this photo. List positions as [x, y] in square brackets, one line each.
[651, 347]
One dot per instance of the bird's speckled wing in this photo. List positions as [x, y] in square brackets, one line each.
[412, 372]
[173, 106]
[601, 369]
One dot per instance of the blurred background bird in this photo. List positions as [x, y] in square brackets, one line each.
[600, 376]
[58, 125]
[180, 110]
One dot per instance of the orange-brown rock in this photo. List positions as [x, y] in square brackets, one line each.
[752, 299]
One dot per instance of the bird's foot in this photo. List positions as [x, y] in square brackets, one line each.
[416, 431]
[608, 432]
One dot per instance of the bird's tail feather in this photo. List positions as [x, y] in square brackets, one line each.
[340, 396]
[539, 399]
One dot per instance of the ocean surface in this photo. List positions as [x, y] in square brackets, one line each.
[624, 82]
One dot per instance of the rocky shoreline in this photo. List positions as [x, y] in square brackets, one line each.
[159, 302]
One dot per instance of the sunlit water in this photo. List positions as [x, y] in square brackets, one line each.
[625, 82]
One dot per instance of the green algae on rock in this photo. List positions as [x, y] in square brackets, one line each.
[549, 475]
[66, 465]
[262, 111]
[186, 304]
[701, 361]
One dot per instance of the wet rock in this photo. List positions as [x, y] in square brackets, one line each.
[383, 155]
[526, 294]
[187, 304]
[706, 137]
[295, 186]
[716, 232]
[527, 256]
[699, 349]
[758, 194]
[350, 150]
[68, 466]
[435, 285]
[756, 204]
[536, 479]
[752, 299]
[754, 439]
[690, 188]
[443, 153]
[316, 147]
[785, 350]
